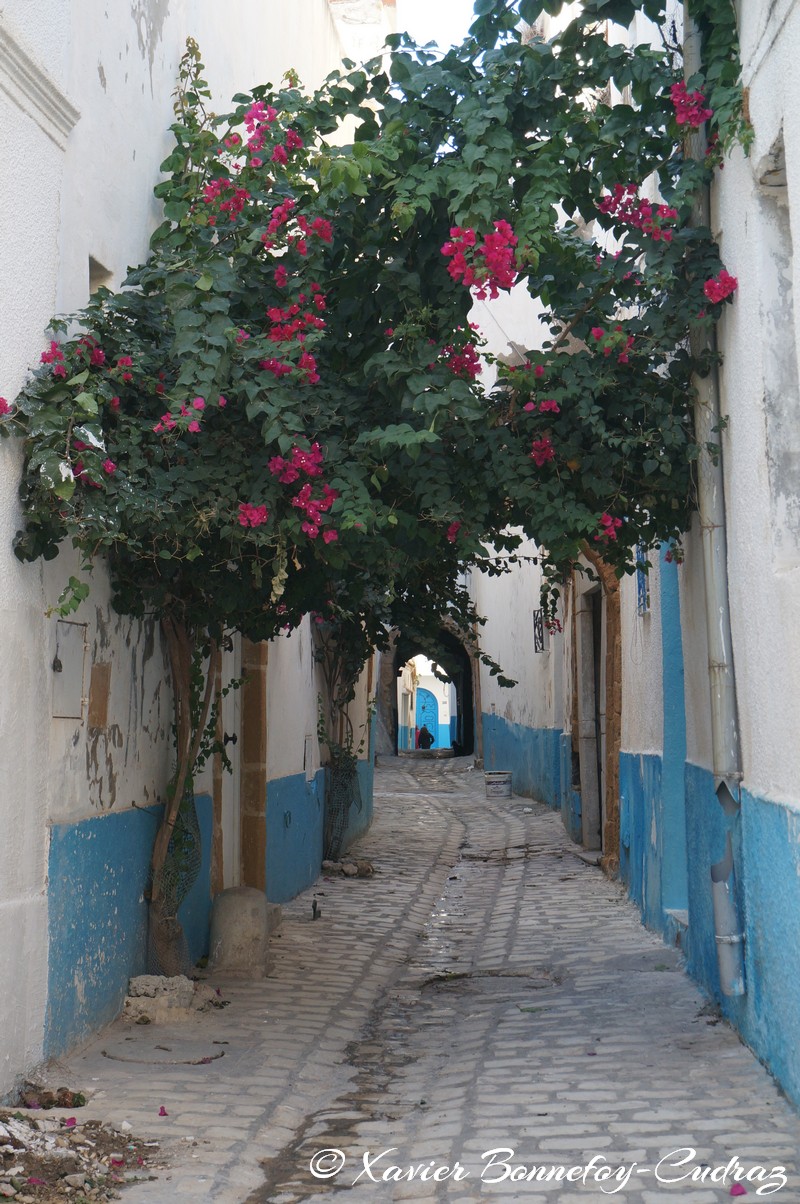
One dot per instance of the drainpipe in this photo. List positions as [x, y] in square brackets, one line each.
[711, 506]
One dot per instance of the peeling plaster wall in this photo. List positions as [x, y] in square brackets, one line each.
[125, 758]
[85, 104]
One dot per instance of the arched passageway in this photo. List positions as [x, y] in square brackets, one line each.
[395, 730]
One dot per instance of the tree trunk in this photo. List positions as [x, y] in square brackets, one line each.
[171, 873]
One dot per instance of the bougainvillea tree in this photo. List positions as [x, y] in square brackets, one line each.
[282, 411]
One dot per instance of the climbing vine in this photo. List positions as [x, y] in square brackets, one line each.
[283, 410]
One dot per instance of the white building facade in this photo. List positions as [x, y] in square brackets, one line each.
[85, 107]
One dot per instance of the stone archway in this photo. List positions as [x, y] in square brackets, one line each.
[462, 668]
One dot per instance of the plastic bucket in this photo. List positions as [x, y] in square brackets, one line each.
[498, 784]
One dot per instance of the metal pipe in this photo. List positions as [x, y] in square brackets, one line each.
[727, 929]
[711, 506]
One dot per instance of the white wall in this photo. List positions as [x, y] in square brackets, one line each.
[758, 222]
[85, 104]
[642, 695]
[508, 602]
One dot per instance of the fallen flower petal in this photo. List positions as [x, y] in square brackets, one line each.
[162, 1111]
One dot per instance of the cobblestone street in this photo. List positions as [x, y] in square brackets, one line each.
[485, 990]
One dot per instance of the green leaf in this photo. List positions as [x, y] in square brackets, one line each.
[205, 282]
[87, 402]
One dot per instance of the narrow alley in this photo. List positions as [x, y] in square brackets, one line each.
[486, 990]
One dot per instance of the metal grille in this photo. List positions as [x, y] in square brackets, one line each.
[168, 951]
[343, 790]
[539, 633]
[642, 583]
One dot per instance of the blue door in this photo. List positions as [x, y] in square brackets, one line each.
[427, 712]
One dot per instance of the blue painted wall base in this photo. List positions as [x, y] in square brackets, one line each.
[640, 834]
[98, 870]
[533, 755]
[766, 843]
[295, 829]
[570, 797]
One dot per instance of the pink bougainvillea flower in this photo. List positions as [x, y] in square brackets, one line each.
[608, 527]
[550, 406]
[97, 358]
[541, 451]
[242, 337]
[162, 1111]
[54, 355]
[330, 536]
[70, 1122]
[738, 1190]
[488, 266]
[689, 108]
[5, 408]
[464, 361]
[452, 531]
[252, 516]
[194, 426]
[223, 401]
[529, 406]
[625, 205]
[538, 370]
[597, 332]
[323, 229]
[281, 276]
[721, 286]
[275, 367]
[280, 156]
[198, 403]
[124, 361]
[109, 467]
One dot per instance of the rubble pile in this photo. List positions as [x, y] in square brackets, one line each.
[49, 1159]
[153, 999]
[360, 868]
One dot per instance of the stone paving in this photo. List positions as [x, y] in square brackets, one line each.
[485, 990]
